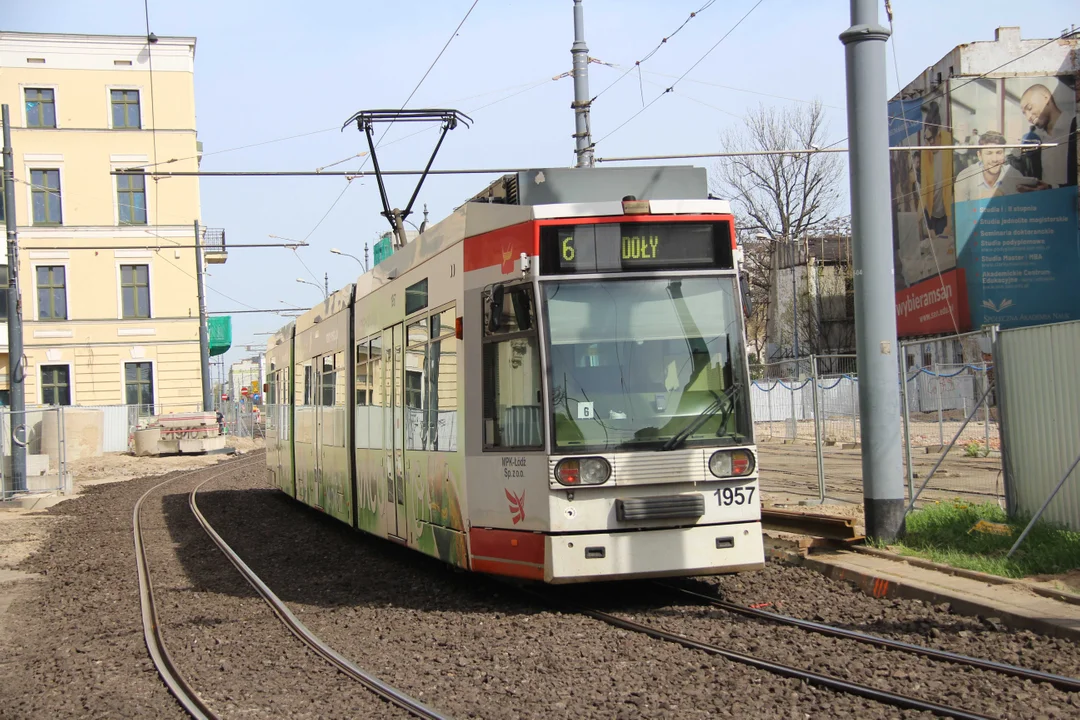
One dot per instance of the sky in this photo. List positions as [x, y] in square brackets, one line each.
[269, 70]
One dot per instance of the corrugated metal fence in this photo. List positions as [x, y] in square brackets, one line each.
[1039, 388]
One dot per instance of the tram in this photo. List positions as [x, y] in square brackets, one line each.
[550, 384]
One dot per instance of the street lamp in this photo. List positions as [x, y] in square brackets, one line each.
[308, 282]
[338, 252]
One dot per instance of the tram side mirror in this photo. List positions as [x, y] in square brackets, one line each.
[744, 283]
[496, 309]
[522, 311]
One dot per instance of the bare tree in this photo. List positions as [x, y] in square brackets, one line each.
[776, 198]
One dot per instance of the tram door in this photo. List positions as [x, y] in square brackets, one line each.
[394, 429]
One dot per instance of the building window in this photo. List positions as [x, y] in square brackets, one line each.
[139, 386]
[131, 198]
[45, 193]
[125, 109]
[135, 290]
[52, 292]
[55, 385]
[40, 108]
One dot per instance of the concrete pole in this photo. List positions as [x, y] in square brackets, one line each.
[904, 400]
[580, 52]
[204, 338]
[795, 300]
[818, 408]
[16, 366]
[875, 308]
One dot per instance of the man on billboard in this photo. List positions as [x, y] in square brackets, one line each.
[990, 176]
[1057, 165]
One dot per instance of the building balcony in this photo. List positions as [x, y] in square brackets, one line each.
[213, 242]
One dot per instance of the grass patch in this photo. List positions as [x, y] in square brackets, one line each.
[942, 532]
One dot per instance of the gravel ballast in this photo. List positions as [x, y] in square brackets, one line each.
[463, 644]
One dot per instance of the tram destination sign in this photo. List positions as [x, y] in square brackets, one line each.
[615, 247]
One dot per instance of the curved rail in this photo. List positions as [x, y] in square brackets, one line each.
[1061, 682]
[833, 683]
[346, 666]
[155, 643]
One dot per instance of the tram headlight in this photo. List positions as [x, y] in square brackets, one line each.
[582, 471]
[731, 463]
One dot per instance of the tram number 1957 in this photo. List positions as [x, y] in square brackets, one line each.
[734, 495]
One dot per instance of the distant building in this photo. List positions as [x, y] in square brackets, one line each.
[107, 265]
[824, 311]
[247, 373]
[987, 236]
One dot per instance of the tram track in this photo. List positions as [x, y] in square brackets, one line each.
[1061, 682]
[301, 631]
[821, 679]
[867, 692]
[182, 689]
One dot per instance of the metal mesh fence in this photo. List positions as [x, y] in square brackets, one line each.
[950, 419]
[242, 419]
[40, 431]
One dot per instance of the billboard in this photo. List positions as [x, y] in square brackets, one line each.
[987, 235]
[924, 237]
[1016, 214]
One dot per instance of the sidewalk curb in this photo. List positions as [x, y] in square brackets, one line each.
[1060, 595]
[889, 588]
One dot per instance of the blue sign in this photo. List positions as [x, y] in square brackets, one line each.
[1021, 257]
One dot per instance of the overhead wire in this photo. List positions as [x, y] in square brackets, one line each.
[679, 79]
[240, 147]
[172, 242]
[652, 52]
[427, 72]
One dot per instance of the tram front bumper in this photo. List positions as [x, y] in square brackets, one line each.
[699, 550]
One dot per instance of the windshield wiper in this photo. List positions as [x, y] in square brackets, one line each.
[703, 417]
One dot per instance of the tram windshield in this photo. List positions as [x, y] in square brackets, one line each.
[646, 364]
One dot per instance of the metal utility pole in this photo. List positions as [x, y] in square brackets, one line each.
[204, 338]
[580, 52]
[16, 367]
[875, 309]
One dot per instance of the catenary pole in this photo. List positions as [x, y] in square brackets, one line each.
[875, 309]
[16, 365]
[580, 52]
[204, 338]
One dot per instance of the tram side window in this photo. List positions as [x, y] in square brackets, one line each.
[363, 393]
[415, 363]
[304, 384]
[511, 366]
[271, 386]
[440, 390]
[377, 400]
[327, 381]
[363, 383]
[431, 383]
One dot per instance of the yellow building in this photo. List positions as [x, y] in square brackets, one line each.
[107, 263]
